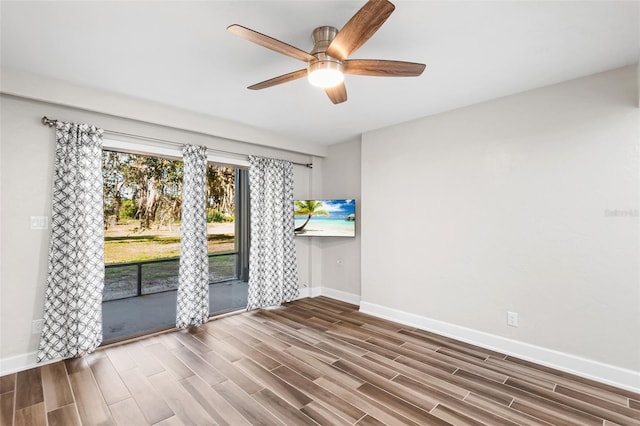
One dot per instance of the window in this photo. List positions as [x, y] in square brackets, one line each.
[142, 209]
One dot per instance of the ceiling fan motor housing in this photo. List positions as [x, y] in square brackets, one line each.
[322, 38]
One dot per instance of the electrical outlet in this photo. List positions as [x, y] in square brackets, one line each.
[36, 326]
[512, 319]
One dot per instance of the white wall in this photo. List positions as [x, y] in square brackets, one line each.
[341, 256]
[308, 185]
[509, 206]
[26, 172]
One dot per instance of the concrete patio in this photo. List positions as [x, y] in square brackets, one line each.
[145, 314]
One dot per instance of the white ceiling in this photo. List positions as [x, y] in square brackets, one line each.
[180, 54]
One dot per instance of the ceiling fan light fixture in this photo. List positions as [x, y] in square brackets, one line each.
[325, 74]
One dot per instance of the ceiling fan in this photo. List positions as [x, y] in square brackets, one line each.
[327, 62]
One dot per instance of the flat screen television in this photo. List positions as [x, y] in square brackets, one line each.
[325, 218]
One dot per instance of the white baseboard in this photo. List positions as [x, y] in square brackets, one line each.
[329, 292]
[594, 370]
[308, 292]
[343, 296]
[22, 362]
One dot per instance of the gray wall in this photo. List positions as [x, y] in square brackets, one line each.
[341, 256]
[510, 205]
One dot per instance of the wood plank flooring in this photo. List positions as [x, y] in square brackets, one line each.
[313, 361]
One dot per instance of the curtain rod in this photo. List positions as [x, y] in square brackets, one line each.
[52, 122]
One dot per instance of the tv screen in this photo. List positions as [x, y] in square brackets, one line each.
[325, 218]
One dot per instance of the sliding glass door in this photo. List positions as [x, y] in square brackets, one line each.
[142, 208]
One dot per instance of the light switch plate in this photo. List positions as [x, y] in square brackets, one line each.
[39, 222]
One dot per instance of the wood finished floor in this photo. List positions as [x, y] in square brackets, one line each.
[314, 361]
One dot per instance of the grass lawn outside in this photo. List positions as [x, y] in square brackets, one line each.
[124, 243]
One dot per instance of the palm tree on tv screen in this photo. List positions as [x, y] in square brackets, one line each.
[310, 208]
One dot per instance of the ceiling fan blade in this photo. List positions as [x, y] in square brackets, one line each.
[382, 68]
[270, 42]
[279, 80]
[337, 94]
[360, 28]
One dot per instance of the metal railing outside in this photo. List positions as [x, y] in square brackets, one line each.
[135, 279]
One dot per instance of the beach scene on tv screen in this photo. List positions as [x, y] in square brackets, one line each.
[325, 218]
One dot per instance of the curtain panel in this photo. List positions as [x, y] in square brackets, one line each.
[193, 278]
[75, 279]
[273, 276]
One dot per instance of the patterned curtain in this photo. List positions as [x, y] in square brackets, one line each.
[73, 304]
[193, 284]
[273, 276]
